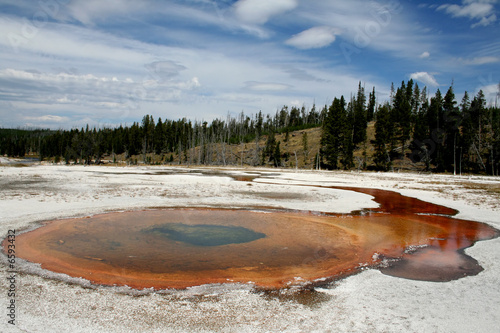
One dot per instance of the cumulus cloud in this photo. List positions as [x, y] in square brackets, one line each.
[260, 11]
[425, 78]
[316, 37]
[187, 85]
[491, 92]
[482, 11]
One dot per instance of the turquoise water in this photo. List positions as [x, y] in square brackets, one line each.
[205, 234]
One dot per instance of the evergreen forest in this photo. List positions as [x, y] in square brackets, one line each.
[410, 131]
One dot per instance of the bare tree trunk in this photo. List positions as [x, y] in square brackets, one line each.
[479, 155]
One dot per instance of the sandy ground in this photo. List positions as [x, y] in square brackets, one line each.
[367, 302]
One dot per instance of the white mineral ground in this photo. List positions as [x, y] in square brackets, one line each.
[367, 302]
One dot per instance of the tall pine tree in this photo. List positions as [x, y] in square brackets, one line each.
[382, 141]
[435, 121]
[451, 122]
[359, 117]
[334, 129]
[370, 109]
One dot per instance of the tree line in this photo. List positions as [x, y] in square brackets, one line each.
[438, 133]
[197, 142]
[435, 134]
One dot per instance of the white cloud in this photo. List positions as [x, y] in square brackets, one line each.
[73, 44]
[368, 25]
[482, 10]
[88, 90]
[491, 93]
[425, 78]
[303, 75]
[260, 11]
[480, 60]
[425, 55]
[47, 119]
[48, 78]
[266, 86]
[164, 70]
[188, 85]
[313, 38]
[89, 11]
[485, 21]
[194, 59]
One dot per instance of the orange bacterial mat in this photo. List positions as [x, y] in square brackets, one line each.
[179, 248]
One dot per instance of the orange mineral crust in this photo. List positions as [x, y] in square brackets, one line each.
[179, 248]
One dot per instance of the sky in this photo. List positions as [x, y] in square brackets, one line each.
[68, 63]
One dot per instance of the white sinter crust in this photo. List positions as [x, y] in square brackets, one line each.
[369, 301]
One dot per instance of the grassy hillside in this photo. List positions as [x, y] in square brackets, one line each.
[292, 152]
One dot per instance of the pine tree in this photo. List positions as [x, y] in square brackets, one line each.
[360, 118]
[305, 147]
[348, 146]
[415, 103]
[434, 118]
[382, 139]
[495, 147]
[370, 109]
[148, 128]
[451, 121]
[421, 143]
[401, 113]
[159, 137]
[332, 138]
[393, 92]
[479, 120]
[269, 149]
[277, 155]
[258, 124]
[467, 135]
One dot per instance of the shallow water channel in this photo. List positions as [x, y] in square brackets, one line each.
[183, 247]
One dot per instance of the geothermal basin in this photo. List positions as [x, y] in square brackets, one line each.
[270, 248]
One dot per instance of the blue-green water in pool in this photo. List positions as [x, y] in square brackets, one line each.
[205, 234]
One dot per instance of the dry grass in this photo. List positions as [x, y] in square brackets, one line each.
[472, 192]
[274, 195]
[14, 165]
[489, 189]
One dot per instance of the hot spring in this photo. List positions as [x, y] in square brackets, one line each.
[270, 248]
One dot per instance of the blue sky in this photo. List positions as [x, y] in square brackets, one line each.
[67, 63]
